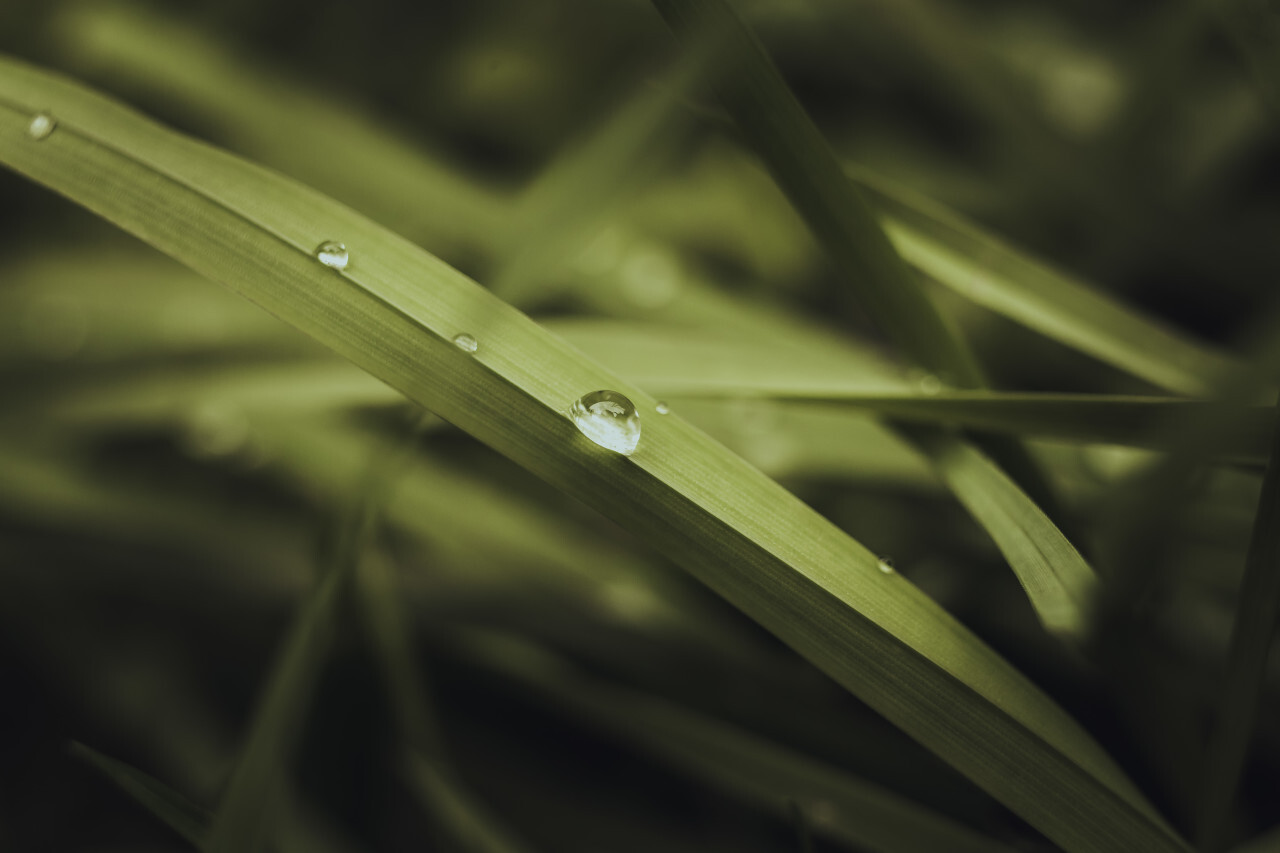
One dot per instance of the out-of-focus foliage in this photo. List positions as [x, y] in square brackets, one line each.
[1088, 191]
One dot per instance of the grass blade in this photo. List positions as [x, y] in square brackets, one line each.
[853, 811]
[984, 269]
[807, 171]
[1257, 613]
[180, 814]
[395, 310]
[1056, 578]
[255, 796]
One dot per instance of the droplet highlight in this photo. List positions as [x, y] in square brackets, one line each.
[662, 408]
[609, 419]
[333, 254]
[466, 342]
[42, 124]
[885, 565]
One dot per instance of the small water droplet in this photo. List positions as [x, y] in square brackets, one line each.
[609, 419]
[926, 383]
[662, 408]
[42, 124]
[466, 342]
[214, 430]
[333, 254]
[885, 565]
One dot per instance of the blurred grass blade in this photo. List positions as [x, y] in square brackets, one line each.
[395, 309]
[180, 814]
[351, 153]
[468, 824]
[984, 269]
[1257, 613]
[838, 805]
[1056, 578]
[775, 124]
[247, 815]
[558, 215]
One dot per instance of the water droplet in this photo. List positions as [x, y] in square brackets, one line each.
[885, 565]
[662, 408]
[42, 124]
[465, 342]
[333, 254]
[609, 419]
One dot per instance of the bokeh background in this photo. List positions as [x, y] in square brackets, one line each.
[176, 465]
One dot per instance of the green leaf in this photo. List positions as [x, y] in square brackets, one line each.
[180, 814]
[1257, 613]
[838, 805]
[394, 311]
[984, 269]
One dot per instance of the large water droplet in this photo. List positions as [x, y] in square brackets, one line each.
[333, 254]
[885, 565]
[609, 419]
[466, 342]
[42, 124]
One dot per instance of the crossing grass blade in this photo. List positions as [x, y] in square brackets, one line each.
[180, 814]
[744, 765]
[1257, 614]
[986, 270]
[394, 311]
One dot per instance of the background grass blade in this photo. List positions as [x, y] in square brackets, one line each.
[1257, 613]
[247, 814]
[1057, 580]
[180, 814]
[837, 804]
[394, 311]
[984, 269]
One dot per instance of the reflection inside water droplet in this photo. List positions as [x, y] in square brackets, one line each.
[333, 254]
[466, 342]
[609, 419]
[42, 124]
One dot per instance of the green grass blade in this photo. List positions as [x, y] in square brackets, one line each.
[247, 815]
[1056, 578]
[1257, 613]
[802, 162]
[180, 814]
[394, 311]
[983, 268]
[847, 808]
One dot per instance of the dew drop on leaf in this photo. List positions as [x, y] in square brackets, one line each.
[885, 565]
[42, 124]
[333, 254]
[662, 408]
[466, 342]
[609, 419]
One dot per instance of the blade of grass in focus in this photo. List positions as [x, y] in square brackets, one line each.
[180, 814]
[395, 309]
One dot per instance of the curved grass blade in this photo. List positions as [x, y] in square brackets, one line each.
[1256, 617]
[1059, 582]
[986, 270]
[841, 805]
[394, 311]
[256, 795]
[180, 814]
